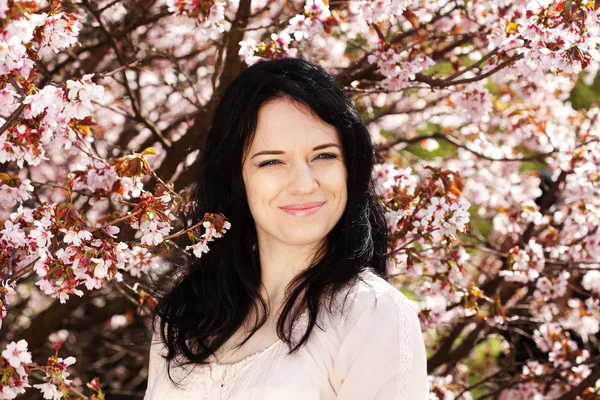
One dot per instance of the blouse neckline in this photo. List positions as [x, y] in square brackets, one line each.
[300, 324]
[213, 360]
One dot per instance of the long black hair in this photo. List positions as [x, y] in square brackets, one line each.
[212, 299]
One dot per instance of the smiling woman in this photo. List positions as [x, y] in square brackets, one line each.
[296, 188]
[292, 303]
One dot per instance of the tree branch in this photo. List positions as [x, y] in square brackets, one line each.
[195, 137]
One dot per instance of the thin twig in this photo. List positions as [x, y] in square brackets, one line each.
[122, 68]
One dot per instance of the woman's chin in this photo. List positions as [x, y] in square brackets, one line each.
[304, 240]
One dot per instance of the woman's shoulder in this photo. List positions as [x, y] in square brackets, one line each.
[374, 291]
[373, 303]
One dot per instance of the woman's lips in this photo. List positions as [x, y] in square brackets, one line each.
[303, 210]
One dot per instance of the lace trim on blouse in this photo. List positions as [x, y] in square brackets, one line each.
[406, 343]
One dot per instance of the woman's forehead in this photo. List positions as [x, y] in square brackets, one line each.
[285, 123]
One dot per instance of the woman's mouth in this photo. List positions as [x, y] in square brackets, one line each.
[303, 210]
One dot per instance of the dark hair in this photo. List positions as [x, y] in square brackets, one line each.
[209, 303]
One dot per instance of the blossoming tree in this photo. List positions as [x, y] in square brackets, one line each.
[487, 167]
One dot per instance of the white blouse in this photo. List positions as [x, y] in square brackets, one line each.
[374, 350]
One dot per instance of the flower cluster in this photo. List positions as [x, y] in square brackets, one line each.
[57, 375]
[7, 291]
[378, 10]
[30, 237]
[525, 264]
[103, 179]
[442, 218]
[55, 242]
[14, 369]
[54, 116]
[564, 41]
[139, 260]
[252, 52]
[388, 178]
[16, 364]
[315, 19]
[399, 67]
[215, 227]
[60, 32]
[474, 101]
[419, 211]
[13, 190]
[209, 13]
[153, 218]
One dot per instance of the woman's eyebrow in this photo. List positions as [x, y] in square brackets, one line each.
[319, 147]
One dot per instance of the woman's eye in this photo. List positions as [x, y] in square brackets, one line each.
[322, 156]
[326, 156]
[267, 163]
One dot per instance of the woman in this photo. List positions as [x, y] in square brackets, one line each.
[290, 302]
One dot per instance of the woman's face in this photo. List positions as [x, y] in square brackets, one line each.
[295, 175]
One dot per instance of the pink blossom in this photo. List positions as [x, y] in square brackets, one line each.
[544, 334]
[112, 230]
[444, 386]
[67, 361]
[16, 353]
[138, 260]
[216, 17]
[15, 59]
[398, 69]
[132, 187]
[528, 263]
[100, 269]
[247, 50]
[392, 217]
[7, 100]
[60, 32]
[81, 93]
[317, 9]
[98, 176]
[59, 336]
[153, 232]
[548, 290]
[474, 101]
[3, 313]
[92, 282]
[75, 237]
[17, 386]
[201, 247]
[48, 97]
[9, 292]
[3, 8]
[282, 40]
[9, 195]
[300, 26]
[23, 27]
[49, 390]
[46, 286]
[591, 281]
[41, 236]
[13, 234]
[377, 10]
[8, 289]
[211, 23]
[430, 144]
[386, 176]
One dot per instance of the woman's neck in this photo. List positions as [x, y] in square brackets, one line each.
[280, 264]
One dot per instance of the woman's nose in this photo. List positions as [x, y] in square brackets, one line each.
[302, 179]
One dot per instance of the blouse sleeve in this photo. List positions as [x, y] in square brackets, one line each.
[154, 364]
[382, 353]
